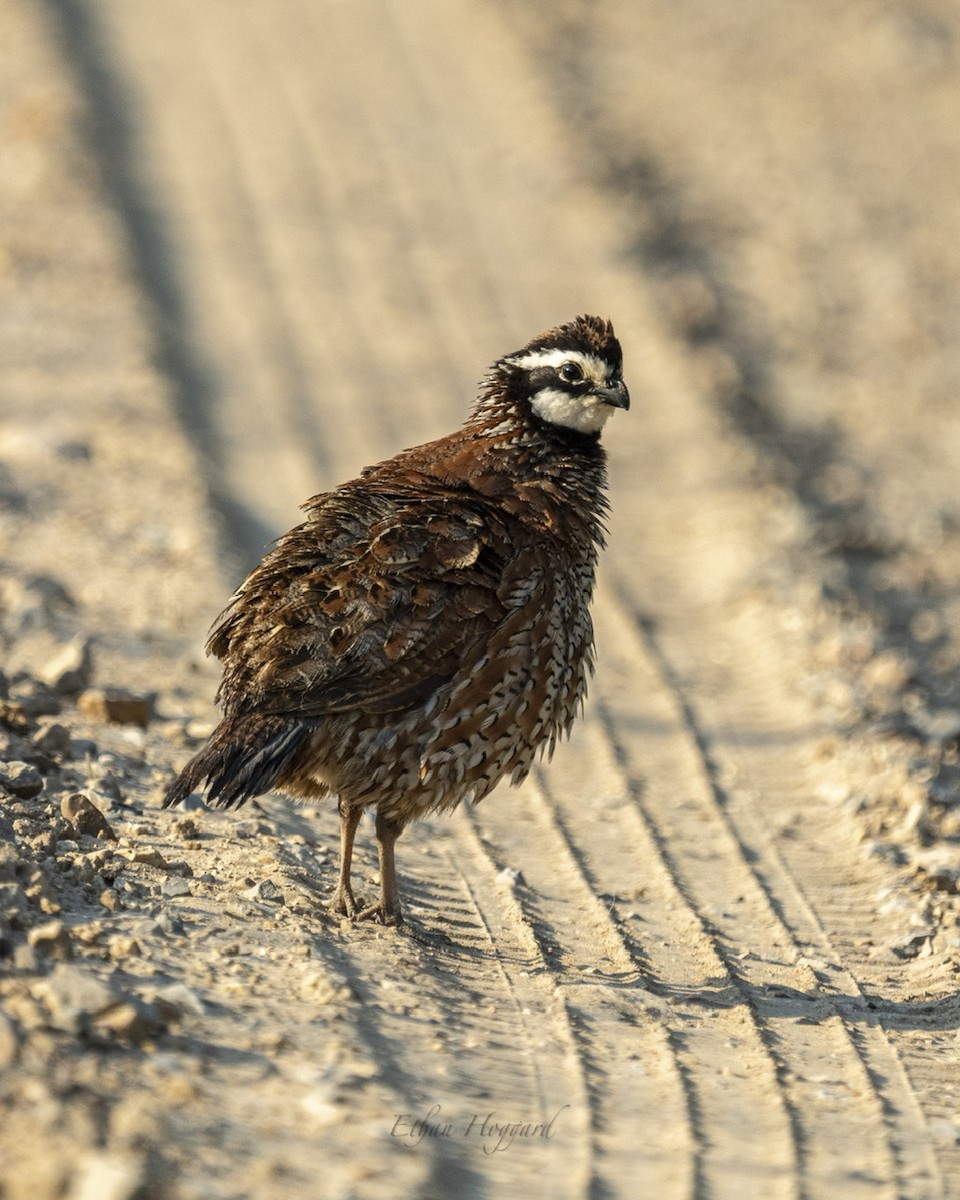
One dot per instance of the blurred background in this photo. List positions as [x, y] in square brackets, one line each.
[335, 215]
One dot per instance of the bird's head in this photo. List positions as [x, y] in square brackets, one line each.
[570, 376]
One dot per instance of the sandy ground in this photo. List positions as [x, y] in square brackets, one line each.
[710, 951]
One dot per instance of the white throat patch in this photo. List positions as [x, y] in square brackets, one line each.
[585, 414]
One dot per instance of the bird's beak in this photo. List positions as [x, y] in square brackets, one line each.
[616, 395]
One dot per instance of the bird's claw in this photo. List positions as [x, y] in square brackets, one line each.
[342, 902]
[380, 915]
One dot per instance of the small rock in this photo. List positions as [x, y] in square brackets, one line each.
[264, 892]
[53, 739]
[110, 900]
[318, 987]
[131, 1020]
[152, 858]
[70, 669]
[115, 705]
[99, 857]
[175, 886]
[511, 877]
[123, 945]
[176, 1000]
[168, 923]
[51, 940]
[186, 827]
[86, 818]
[21, 779]
[72, 996]
[34, 698]
[913, 944]
[81, 1004]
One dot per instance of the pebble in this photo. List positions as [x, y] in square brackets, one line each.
[131, 1020]
[177, 1000]
[53, 739]
[317, 987]
[81, 1004]
[72, 996]
[70, 669]
[914, 944]
[187, 828]
[21, 779]
[511, 877]
[264, 892]
[116, 706]
[151, 857]
[51, 940]
[85, 817]
[123, 945]
[35, 699]
[175, 886]
[168, 924]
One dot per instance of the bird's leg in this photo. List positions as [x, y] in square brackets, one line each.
[387, 912]
[342, 900]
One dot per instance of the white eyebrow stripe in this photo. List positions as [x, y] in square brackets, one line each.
[593, 367]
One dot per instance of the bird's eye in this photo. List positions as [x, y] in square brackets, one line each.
[571, 372]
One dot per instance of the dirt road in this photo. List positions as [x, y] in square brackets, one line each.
[711, 951]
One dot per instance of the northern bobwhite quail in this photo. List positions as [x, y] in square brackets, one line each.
[426, 630]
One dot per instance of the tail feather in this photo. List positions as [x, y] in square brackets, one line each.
[245, 757]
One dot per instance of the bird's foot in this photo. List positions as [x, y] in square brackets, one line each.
[381, 915]
[342, 901]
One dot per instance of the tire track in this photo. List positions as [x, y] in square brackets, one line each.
[574, 908]
[617, 1024]
[688, 1004]
[816, 1018]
